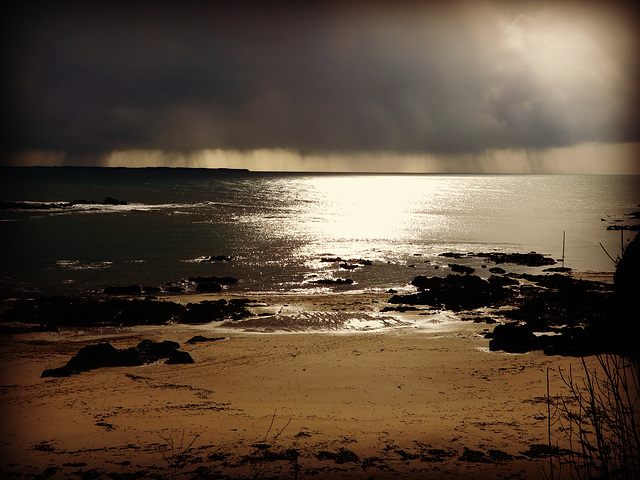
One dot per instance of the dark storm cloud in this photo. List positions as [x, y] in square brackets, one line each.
[331, 77]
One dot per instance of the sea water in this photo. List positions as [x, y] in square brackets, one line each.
[280, 228]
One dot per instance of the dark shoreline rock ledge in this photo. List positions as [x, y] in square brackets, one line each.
[560, 315]
[85, 312]
[454, 292]
[531, 259]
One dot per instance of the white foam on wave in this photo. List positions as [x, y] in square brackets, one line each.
[317, 322]
[131, 207]
[439, 321]
[82, 265]
[60, 207]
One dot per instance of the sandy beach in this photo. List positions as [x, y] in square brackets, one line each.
[355, 394]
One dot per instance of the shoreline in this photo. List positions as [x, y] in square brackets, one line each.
[426, 398]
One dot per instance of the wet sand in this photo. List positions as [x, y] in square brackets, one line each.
[403, 400]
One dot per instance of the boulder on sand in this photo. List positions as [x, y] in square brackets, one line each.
[512, 338]
[106, 355]
[179, 357]
[201, 339]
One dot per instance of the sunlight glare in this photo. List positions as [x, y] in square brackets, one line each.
[371, 207]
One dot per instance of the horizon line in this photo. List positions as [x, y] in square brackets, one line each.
[311, 172]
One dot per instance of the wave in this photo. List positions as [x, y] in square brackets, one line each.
[93, 207]
[83, 265]
[209, 259]
[317, 322]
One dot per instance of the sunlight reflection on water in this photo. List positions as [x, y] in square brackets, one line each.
[277, 227]
[372, 208]
[378, 216]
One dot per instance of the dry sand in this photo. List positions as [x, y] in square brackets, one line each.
[406, 395]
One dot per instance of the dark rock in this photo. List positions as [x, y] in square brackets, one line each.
[212, 284]
[531, 259]
[563, 301]
[360, 261]
[452, 255]
[330, 259]
[337, 281]
[421, 282]
[58, 372]
[150, 289]
[571, 341]
[179, 357]
[205, 312]
[123, 290]
[147, 312]
[348, 266]
[113, 201]
[502, 281]
[131, 357]
[219, 280]
[461, 268]
[201, 339]
[106, 355]
[216, 311]
[400, 309]
[558, 269]
[153, 351]
[208, 287]
[455, 292]
[497, 270]
[239, 302]
[631, 228]
[106, 201]
[92, 312]
[102, 355]
[512, 338]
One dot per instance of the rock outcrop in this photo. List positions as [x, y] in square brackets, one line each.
[106, 355]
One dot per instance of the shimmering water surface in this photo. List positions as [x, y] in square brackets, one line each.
[277, 227]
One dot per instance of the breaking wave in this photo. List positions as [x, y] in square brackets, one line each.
[317, 321]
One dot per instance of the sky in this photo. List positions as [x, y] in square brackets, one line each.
[457, 86]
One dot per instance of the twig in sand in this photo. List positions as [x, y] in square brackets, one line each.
[600, 417]
[178, 454]
[263, 454]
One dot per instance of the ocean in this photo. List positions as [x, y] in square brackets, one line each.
[282, 232]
